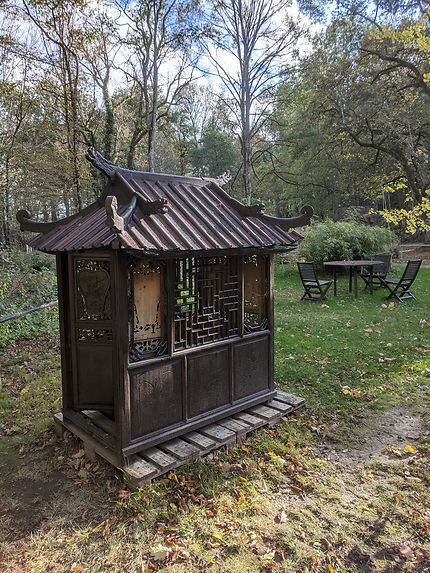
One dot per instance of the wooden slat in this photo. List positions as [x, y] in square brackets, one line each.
[283, 407]
[101, 421]
[294, 401]
[219, 434]
[202, 442]
[253, 421]
[88, 440]
[97, 430]
[238, 426]
[78, 419]
[139, 471]
[159, 458]
[180, 449]
[269, 414]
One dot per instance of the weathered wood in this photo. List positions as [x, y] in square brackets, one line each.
[59, 427]
[294, 401]
[283, 407]
[153, 462]
[160, 459]
[219, 434]
[88, 440]
[180, 449]
[101, 421]
[202, 442]
[138, 471]
[90, 429]
[269, 414]
[238, 426]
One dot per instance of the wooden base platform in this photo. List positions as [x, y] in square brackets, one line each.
[153, 462]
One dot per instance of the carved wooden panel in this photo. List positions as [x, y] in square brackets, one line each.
[156, 398]
[147, 321]
[255, 293]
[251, 366]
[93, 286]
[208, 381]
[206, 306]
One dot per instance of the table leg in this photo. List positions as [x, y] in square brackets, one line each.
[355, 282]
[350, 279]
[371, 280]
[334, 281]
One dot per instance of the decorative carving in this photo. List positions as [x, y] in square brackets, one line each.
[223, 179]
[26, 224]
[147, 349]
[97, 335]
[255, 294]
[156, 207]
[93, 286]
[306, 214]
[113, 220]
[206, 300]
[146, 337]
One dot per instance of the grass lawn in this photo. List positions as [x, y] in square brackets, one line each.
[344, 487]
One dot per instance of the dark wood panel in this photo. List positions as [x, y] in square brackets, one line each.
[251, 366]
[208, 381]
[155, 398]
[94, 377]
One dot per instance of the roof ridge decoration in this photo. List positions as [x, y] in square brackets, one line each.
[200, 215]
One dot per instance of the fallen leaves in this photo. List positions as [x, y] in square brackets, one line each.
[354, 393]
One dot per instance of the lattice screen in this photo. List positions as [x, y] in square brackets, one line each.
[207, 300]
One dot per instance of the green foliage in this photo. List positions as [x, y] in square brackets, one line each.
[345, 240]
[215, 154]
[26, 280]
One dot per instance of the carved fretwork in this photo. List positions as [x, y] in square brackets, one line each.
[97, 335]
[93, 290]
[255, 294]
[207, 301]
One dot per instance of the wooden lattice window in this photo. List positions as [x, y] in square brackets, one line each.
[147, 320]
[255, 293]
[206, 300]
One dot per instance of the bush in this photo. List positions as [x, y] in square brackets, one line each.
[26, 280]
[345, 240]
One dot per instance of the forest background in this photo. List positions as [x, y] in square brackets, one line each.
[302, 101]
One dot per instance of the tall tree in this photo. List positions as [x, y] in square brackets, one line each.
[247, 41]
[159, 37]
[59, 23]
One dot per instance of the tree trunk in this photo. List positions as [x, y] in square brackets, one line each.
[109, 128]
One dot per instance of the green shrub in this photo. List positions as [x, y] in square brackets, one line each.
[26, 280]
[344, 240]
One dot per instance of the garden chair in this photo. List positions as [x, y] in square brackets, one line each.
[400, 288]
[379, 271]
[315, 289]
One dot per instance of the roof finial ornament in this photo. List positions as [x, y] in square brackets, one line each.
[113, 220]
[224, 178]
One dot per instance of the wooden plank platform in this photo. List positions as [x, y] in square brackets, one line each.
[153, 462]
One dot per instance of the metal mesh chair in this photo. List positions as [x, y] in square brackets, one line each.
[400, 288]
[315, 289]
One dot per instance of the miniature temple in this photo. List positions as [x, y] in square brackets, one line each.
[166, 305]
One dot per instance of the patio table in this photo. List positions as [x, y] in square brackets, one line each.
[353, 272]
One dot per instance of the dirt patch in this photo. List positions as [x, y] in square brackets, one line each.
[384, 438]
[27, 498]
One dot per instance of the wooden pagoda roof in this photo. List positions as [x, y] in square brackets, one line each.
[156, 213]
